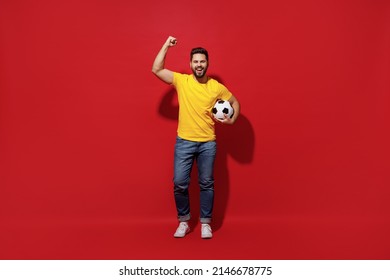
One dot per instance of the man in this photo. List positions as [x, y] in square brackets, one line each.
[197, 94]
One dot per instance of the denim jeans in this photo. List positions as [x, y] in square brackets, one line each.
[186, 152]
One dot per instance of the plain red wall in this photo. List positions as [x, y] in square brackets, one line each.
[87, 131]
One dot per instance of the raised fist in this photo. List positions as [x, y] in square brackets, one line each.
[171, 41]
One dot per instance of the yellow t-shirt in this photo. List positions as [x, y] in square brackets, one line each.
[196, 101]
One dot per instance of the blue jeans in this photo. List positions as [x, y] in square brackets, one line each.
[186, 152]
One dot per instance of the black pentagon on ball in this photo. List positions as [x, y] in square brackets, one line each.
[221, 101]
[225, 110]
[214, 110]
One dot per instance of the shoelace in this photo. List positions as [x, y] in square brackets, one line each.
[206, 227]
[182, 227]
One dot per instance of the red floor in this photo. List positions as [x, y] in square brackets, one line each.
[268, 238]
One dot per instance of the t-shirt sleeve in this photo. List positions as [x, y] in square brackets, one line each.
[225, 94]
[176, 78]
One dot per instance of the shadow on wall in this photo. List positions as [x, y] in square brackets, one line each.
[235, 140]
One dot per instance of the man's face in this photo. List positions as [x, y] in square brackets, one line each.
[199, 65]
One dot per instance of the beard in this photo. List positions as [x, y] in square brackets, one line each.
[199, 72]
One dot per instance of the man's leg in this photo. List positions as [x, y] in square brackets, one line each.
[205, 161]
[183, 161]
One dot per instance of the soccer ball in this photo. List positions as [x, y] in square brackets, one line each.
[222, 107]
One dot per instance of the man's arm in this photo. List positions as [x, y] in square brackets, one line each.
[158, 65]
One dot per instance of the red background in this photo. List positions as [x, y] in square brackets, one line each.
[87, 131]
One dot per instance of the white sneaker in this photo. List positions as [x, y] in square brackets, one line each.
[206, 231]
[182, 229]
